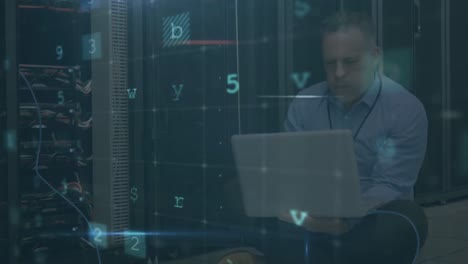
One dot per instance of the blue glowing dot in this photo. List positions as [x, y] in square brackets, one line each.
[6, 65]
[386, 148]
[10, 140]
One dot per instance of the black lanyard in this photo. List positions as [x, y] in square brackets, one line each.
[365, 118]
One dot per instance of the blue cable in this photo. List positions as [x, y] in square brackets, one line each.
[38, 152]
[407, 219]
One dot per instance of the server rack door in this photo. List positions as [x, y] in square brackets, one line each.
[457, 111]
[4, 145]
[58, 56]
[411, 37]
[429, 87]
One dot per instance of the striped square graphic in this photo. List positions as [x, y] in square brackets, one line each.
[176, 30]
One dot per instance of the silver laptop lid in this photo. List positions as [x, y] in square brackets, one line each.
[313, 172]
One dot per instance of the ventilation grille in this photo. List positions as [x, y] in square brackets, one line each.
[119, 123]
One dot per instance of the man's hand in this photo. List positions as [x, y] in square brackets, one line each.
[334, 226]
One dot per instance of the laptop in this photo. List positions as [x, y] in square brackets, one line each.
[313, 172]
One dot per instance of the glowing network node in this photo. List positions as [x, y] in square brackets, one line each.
[386, 148]
[10, 140]
[6, 64]
[302, 8]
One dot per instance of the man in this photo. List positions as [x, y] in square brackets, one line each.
[389, 127]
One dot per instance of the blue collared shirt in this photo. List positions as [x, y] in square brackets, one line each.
[391, 144]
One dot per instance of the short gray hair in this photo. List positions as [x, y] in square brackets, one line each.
[343, 20]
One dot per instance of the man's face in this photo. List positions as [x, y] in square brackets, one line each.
[350, 61]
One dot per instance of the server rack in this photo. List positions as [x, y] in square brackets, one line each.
[11, 107]
[418, 42]
[60, 51]
[3, 150]
[53, 132]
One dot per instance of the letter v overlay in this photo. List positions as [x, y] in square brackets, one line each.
[298, 220]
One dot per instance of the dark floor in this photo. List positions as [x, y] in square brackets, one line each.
[447, 242]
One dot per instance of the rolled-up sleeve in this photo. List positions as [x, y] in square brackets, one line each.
[400, 154]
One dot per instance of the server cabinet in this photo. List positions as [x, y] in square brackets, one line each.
[457, 108]
[411, 35]
[6, 143]
[10, 139]
[64, 141]
[418, 44]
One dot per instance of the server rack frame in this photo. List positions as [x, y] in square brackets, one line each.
[10, 17]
